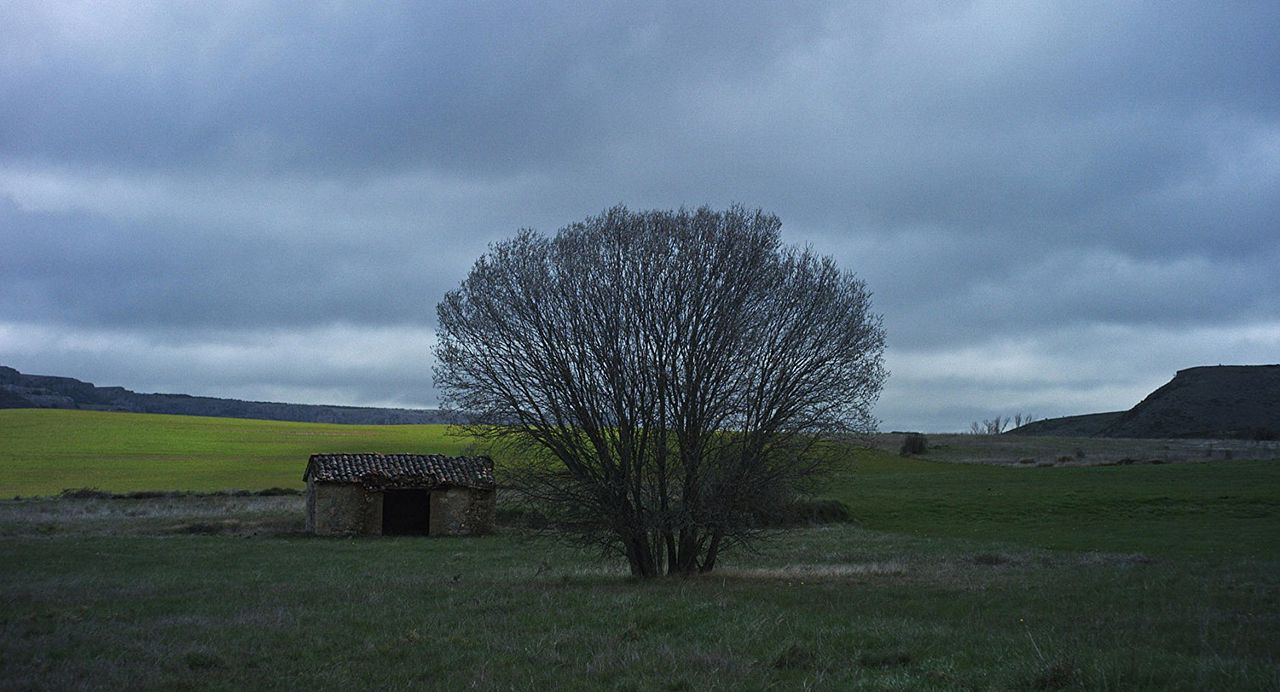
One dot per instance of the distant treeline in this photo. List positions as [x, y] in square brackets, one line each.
[42, 391]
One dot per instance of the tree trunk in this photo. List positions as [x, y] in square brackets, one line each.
[640, 557]
[672, 553]
[713, 550]
[684, 560]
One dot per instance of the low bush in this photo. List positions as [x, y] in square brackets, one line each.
[518, 516]
[96, 494]
[803, 511]
[84, 494]
[1263, 434]
[913, 443]
[145, 494]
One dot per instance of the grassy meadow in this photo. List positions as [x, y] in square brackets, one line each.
[952, 576]
[1221, 508]
[43, 451]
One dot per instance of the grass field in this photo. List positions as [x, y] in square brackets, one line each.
[1011, 449]
[1224, 507]
[954, 576]
[129, 594]
[44, 451]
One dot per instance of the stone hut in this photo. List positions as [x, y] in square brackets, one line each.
[399, 494]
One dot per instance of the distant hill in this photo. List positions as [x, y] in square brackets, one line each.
[1221, 401]
[1088, 425]
[43, 391]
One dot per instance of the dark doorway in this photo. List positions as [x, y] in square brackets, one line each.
[406, 512]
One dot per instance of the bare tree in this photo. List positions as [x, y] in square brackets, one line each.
[993, 426]
[665, 377]
[998, 425]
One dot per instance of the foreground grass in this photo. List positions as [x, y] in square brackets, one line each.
[955, 576]
[122, 594]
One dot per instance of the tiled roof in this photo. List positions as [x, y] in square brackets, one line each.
[401, 470]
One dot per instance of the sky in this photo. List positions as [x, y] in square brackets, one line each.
[1057, 205]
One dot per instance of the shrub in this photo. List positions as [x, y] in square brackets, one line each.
[803, 511]
[1261, 434]
[277, 491]
[521, 516]
[85, 494]
[913, 443]
[143, 494]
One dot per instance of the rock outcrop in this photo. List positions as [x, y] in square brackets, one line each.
[1221, 401]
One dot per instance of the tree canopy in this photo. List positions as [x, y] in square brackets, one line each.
[667, 377]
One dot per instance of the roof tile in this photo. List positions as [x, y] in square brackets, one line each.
[401, 470]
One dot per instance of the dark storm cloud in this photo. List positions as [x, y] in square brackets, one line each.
[88, 270]
[212, 186]
[473, 87]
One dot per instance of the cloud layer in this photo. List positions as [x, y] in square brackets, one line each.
[1056, 204]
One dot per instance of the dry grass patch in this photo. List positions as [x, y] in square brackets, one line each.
[813, 572]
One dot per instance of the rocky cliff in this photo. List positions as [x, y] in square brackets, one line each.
[1221, 401]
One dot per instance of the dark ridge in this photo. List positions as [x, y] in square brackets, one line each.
[42, 391]
[1088, 425]
[1224, 401]
[1212, 402]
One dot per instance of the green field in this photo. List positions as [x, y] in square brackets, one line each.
[44, 451]
[1194, 509]
[953, 576]
[1223, 508]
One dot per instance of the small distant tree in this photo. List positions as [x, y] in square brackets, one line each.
[994, 426]
[666, 378]
[998, 425]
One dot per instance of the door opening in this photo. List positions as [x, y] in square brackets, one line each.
[406, 512]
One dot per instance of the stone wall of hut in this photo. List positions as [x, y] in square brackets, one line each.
[343, 509]
[461, 512]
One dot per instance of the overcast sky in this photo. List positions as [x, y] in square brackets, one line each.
[1056, 205]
